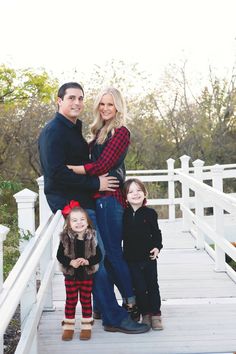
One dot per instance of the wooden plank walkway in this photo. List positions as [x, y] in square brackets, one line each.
[198, 309]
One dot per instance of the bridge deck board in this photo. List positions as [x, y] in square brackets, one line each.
[198, 309]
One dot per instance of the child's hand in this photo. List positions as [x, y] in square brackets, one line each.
[154, 253]
[74, 263]
[82, 262]
[79, 262]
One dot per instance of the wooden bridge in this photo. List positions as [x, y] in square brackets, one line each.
[197, 286]
[198, 308]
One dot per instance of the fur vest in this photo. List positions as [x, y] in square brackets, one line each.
[68, 239]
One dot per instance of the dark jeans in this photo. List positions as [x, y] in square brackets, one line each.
[144, 276]
[109, 213]
[103, 289]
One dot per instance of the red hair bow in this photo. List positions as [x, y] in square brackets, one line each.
[67, 209]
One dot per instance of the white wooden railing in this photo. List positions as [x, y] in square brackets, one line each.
[30, 282]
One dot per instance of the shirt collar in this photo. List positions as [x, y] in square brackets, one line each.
[68, 123]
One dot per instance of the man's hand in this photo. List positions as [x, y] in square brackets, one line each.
[108, 183]
[79, 170]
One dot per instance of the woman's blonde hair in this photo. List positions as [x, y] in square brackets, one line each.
[98, 126]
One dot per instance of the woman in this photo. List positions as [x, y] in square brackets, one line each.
[109, 146]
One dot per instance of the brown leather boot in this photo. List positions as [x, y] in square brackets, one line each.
[157, 323]
[146, 319]
[68, 326]
[86, 328]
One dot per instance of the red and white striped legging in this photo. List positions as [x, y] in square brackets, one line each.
[73, 289]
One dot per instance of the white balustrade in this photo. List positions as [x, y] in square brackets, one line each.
[217, 183]
[44, 209]
[185, 192]
[44, 213]
[199, 206]
[25, 200]
[171, 189]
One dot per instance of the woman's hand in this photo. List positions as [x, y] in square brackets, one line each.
[154, 253]
[79, 170]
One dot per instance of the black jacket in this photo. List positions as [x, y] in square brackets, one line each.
[61, 143]
[141, 233]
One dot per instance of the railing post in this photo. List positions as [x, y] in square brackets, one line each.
[217, 183]
[44, 209]
[44, 213]
[25, 200]
[199, 207]
[185, 191]
[171, 189]
[3, 233]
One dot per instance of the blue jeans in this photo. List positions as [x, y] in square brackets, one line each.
[109, 213]
[103, 289]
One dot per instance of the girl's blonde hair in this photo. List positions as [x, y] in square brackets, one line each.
[98, 128]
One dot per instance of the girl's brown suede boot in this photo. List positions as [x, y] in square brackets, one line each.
[86, 328]
[68, 326]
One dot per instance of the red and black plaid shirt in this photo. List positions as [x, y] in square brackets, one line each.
[108, 158]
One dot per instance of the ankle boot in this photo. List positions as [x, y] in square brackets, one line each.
[147, 319]
[86, 328]
[156, 323]
[68, 326]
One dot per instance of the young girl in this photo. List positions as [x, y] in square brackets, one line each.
[79, 255]
[142, 244]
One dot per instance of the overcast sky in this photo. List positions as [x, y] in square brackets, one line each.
[61, 35]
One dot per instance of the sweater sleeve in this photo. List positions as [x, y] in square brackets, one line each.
[97, 258]
[156, 232]
[64, 260]
[116, 146]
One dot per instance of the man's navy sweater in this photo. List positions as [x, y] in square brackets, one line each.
[61, 143]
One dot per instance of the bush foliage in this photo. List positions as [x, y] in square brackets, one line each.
[8, 217]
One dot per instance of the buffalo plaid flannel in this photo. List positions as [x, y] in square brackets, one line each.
[116, 146]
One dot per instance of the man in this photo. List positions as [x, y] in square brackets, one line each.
[61, 143]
